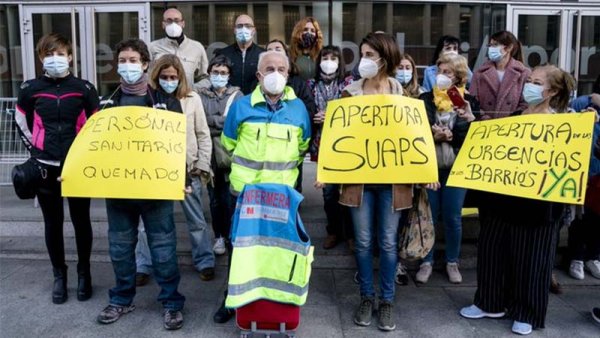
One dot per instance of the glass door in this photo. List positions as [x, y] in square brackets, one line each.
[539, 31]
[96, 29]
[39, 21]
[586, 46]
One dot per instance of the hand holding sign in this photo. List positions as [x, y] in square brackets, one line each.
[376, 139]
[128, 152]
[544, 157]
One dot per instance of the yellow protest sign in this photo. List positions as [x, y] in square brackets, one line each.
[128, 152]
[376, 139]
[542, 156]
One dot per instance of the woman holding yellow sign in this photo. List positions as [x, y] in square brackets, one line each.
[380, 56]
[517, 242]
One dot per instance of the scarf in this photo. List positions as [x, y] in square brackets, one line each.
[328, 78]
[326, 91]
[138, 88]
[442, 101]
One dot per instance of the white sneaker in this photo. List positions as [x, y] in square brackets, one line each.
[453, 274]
[593, 266]
[473, 312]
[424, 273]
[576, 270]
[219, 247]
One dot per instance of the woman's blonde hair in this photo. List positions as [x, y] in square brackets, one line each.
[295, 49]
[459, 66]
[164, 62]
[560, 81]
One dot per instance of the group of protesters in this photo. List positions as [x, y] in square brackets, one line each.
[249, 102]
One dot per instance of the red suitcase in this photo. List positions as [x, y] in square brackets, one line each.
[268, 317]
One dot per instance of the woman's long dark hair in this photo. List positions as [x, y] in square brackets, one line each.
[336, 52]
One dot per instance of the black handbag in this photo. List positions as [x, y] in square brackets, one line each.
[27, 177]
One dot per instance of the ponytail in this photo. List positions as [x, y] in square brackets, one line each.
[563, 83]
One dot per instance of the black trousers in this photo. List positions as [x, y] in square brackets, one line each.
[584, 237]
[51, 203]
[514, 268]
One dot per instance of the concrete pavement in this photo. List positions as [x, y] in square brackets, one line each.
[26, 309]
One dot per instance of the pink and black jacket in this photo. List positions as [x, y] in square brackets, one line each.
[50, 113]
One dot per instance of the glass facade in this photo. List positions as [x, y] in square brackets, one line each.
[11, 72]
[416, 25]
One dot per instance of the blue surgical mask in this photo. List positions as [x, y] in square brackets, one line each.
[533, 94]
[56, 65]
[403, 76]
[168, 86]
[495, 53]
[243, 35]
[219, 81]
[130, 72]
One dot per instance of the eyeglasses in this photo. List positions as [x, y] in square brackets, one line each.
[223, 73]
[170, 21]
[246, 25]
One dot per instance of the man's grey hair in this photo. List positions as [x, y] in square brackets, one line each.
[262, 56]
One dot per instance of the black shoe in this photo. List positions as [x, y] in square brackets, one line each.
[596, 314]
[84, 286]
[141, 279]
[59, 290]
[207, 274]
[173, 319]
[223, 314]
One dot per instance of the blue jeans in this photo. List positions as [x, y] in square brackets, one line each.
[376, 204]
[199, 233]
[123, 220]
[448, 200]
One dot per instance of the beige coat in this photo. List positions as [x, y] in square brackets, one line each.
[351, 194]
[199, 144]
[190, 52]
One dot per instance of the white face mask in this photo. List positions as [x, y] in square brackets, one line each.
[243, 35]
[273, 83]
[329, 66]
[450, 52]
[403, 76]
[130, 72]
[443, 82]
[368, 68]
[173, 30]
[56, 66]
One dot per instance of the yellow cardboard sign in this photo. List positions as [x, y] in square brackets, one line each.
[376, 139]
[542, 156]
[128, 152]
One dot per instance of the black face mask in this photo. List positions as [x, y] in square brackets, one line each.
[308, 40]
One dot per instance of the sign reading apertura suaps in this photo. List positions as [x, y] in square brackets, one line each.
[541, 156]
[128, 152]
[376, 139]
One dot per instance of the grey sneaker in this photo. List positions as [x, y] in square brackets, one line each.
[453, 274]
[173, 319]
[424, 273]
[112, 313]
[364, 312]
[386, 320]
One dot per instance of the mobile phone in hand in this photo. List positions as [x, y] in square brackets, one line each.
[455, 97]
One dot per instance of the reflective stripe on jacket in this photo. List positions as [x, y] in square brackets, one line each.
[267, 146]
[272, 253]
